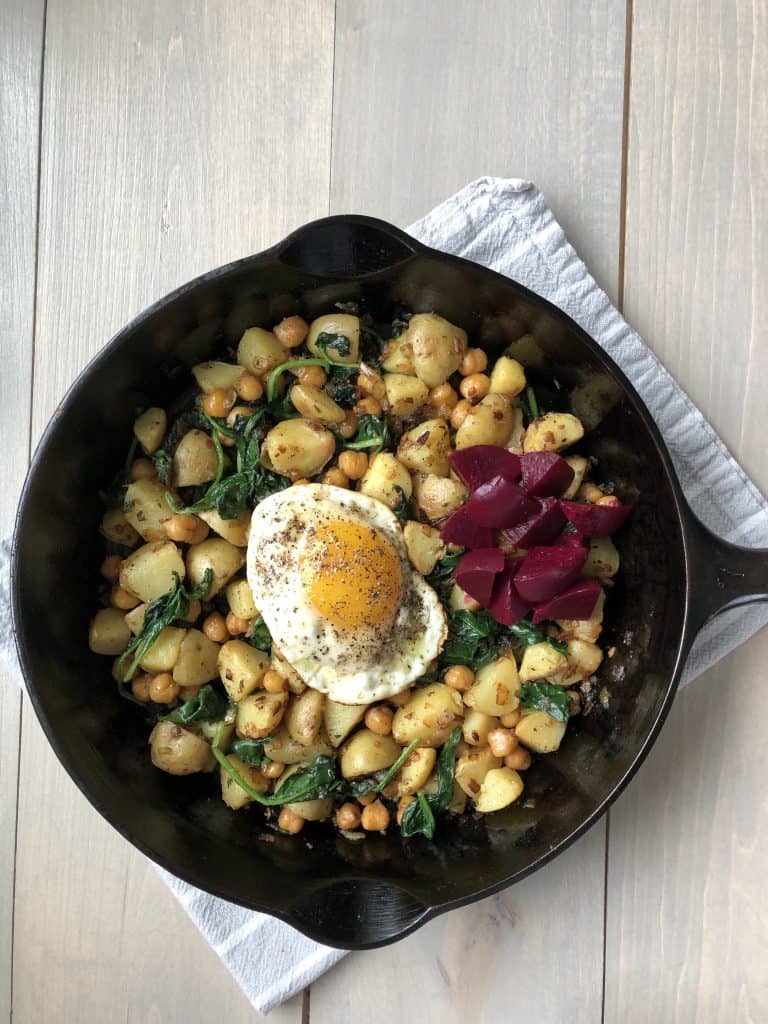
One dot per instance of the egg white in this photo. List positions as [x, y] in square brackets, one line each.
[351, 666]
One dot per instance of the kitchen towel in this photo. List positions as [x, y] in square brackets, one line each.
[505, 224]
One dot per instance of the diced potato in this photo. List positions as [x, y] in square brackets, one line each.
[507, 377]
[150, 428]
[405, 395]
[488, 422]
[146, 508]
[366, 753]
[552, 432]
[286, 750]
[216, 554]
[476, 728]
[224, 730]
[295, 683]
[115, 527]
[260, 352]
[164, 652]
[213, 375]
[336, 323]
[109, 632]
[304, 716]
[316, 404]
[584, 659]
[438, 496]
[240, 599]
[398, 356]
[437, 346]
[579, 629]
[472, 768]
[341, 719]
[496, 688]
[198, 657]
[234, 530]
[298, 448]
[232, 793]
[430, 716]
[149, 572]
[260, 714]
[602, 560]
[195, 460]
[540, 661]
[414, 774]
[425, 448]
[540, 732]
[424, 546]
[458, 800]
[500, 788]
[312, 810]
[179, 751]
[460, 601]
[134, 619]
[385, 474]
[579, 466]
[242, 668]
[515, 442]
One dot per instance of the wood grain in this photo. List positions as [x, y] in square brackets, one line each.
[428, 96]
[21, 44]
[687, 932]
[175, 137]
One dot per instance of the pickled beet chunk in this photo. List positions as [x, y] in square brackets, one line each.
[545, 572]
[595, 520]
[507, 606]
[498, 503]
[477, 571]
[545, 474]
[540, 528]
[577, 602]
[481, 462]
[460, 529]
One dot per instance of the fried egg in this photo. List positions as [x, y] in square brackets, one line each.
[330, 575]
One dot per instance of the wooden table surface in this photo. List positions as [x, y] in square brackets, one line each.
[145, 141]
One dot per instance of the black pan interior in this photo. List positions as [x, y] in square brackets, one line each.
[344, 893]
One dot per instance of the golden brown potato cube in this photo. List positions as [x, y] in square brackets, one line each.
[232, 793]
[507, 377]
[552, 432]
[298, 448]
[385, 478]
[179, 751]
[476, 727]
[496, 688]
[424, 546]
[109, 632]
[115, 527]
[366, 753]
[489, 422]
[397, 356]
[430, 716]
[241, 667]
[149, 572]
[240, 599]
[341, 719]
[345, 324]
[260, 714]
[150, 428]
[472, 768]
[426, 447]
[164, 652]
[437, 346]
[213, 375]
[198, 660]
[304, 717]
[234, 530]
[540, 661]
[195, 460]
[316, 404]
[218, 555]
[438, 496]
[540, 732]
[405, 395]
[260, 352]
[500, 788]
[286, 750]
[146, 508]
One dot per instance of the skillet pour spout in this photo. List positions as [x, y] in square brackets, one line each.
[675, 576]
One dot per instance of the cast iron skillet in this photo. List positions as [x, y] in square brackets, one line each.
[675, 576]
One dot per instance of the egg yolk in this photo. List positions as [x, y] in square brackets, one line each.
[352, 575]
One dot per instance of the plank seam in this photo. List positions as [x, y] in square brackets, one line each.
[625, 151]
[333, 97]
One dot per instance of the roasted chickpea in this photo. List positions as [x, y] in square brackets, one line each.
[354, 464]
[502, 742]
[291, 331]
[249, 388]
[235, 625]
[519, 759]
[459, 677]
[590, 492]
[475, 386]
[193, 612]
[443, 396]
[163, 688]
[272, 769]
[403, 806]
[188, 692]
[336, 478]
[366, 798]
[460, 413]
[290, 821]
[110, 568]
[273, 682]
[235, 411]
[375, 817]
[312, 375]
[510, 721]
[143, 469]
[219, 401]
[368, 407]
[348, 427]
[215, 627]
[371, 384]
[185, 529]
[473, 361]
[379, 719]
[399, 699]
[140, 687]
[121, 599]
[301, 481]
[348, 817]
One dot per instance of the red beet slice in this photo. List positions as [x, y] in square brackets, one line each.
[545, 572]
[540, 528]
[477, 572]
[507, 606]
[460, 529]
[481, 462]
[595, 520]
[577, 602]
[545, 474]
[570, 538]
[500, 502]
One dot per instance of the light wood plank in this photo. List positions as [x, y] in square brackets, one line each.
[687, 929]
[175, 137]
[427, 97]
[21, 43]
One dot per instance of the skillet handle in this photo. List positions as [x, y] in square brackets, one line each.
[346, 247]
[723, 575]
